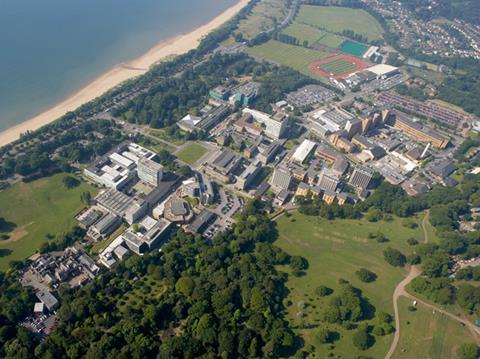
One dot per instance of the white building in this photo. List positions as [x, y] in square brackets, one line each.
[275, 125]
[383, 70]
[303, 151]
[150, 171]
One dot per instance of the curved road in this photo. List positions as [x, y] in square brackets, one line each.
[400, 291]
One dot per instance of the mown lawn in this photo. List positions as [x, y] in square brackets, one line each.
[312, 35]
[304, 32]
[336, 249]
[424, 334]
[40, 208]
[191, 153]
[336, 19]
[296, 57]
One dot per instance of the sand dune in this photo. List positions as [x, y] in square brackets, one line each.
[122, 72]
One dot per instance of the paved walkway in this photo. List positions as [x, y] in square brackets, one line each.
[400, 291]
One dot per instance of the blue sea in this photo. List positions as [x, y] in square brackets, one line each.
[51, 48]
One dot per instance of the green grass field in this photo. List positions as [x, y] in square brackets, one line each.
[304, 32]
[336, 19]
[427, 335]
[330, 40]
[38, 208]
[336, 249]
[263, 17]
[191, 153]
[338, 67]
[296, 57]
[313, 35]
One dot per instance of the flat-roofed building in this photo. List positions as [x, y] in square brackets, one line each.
[417, 131]
[442, 169]
[145, 240]
[150, 171]
[361, 177]
[201, 222]
[326, 153]
[105, 226]
[220, 93]
[303, 151]
[223, 165]
[281, 179]
[383, 71]
[48, 299]
[249, 175]
[275, 126]
[333, 119]
[268, 154]
[302, 189]
[213, 117]
[327, 181]
[329, 197]
[340, 166]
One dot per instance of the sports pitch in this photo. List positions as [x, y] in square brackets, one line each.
[338, 66]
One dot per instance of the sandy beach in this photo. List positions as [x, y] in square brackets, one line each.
[120, 73]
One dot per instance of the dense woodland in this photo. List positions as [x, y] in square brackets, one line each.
[217, 299]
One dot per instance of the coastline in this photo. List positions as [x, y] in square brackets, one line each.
[177, 45]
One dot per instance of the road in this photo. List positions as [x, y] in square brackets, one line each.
[400, 291]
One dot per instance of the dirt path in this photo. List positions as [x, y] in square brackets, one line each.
[400, 291]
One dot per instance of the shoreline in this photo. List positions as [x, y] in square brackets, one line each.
[176, 45]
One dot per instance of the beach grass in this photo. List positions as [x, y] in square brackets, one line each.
[334, 250]
[336, 19]
[191, 153]
[38, 209]
[297, 57]
[424, 334]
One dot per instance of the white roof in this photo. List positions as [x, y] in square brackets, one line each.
[38, 307]
[382, 69]
[148, 222]
[123, 161]
[303, 150]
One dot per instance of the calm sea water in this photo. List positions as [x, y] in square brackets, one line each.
[51, 48]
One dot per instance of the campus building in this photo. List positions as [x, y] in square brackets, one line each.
[361, 177]
[417, 131]
[281, 179]
[150, 171]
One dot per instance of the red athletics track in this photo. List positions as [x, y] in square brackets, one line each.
[348, 58]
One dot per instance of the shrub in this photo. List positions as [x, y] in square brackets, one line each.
[366, 275]
[469, 351]
[412, 242]
[394, 257]
[362, 339]
[323, 291]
